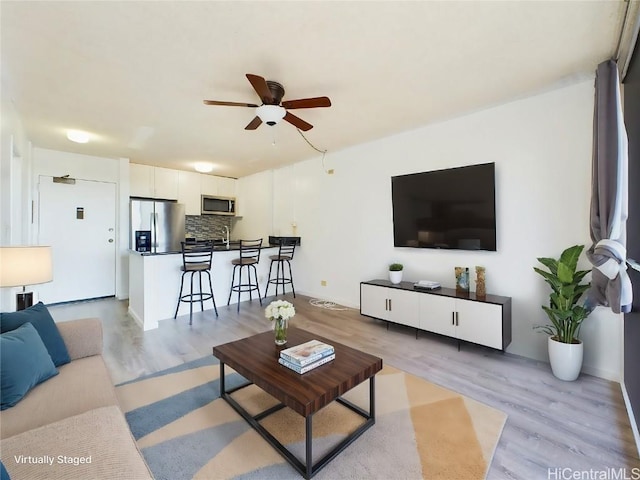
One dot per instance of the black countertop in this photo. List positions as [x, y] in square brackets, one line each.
[234, 245]
[275, 240]
[216, 248]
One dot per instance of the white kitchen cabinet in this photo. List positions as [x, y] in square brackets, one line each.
[152, 182]
[485, 321]
[186, 187]
[217, 186]
[394, 305]
[165, 183]
[209, 184]
[227, 187]
[189, 192]
[140, 180]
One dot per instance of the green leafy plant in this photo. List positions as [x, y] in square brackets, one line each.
[395, 267]
[564, 312]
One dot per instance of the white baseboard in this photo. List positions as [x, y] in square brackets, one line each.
[139, 320]
[600, 373]
[632, 418]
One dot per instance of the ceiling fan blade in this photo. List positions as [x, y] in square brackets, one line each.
[297, 122]
[229, 104]
[259, 84]
[307, 103]
[253, 124]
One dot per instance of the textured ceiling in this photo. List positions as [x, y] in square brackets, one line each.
[134, 74]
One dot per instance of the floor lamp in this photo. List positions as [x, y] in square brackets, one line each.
[26, 265]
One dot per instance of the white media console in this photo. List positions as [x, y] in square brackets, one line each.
[485, 321]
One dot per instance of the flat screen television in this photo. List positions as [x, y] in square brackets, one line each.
[453, 208]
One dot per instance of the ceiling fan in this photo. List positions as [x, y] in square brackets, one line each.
[272, 110]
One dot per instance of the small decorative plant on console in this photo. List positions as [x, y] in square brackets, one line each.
[279, 312]
[395, 273]
[564, 312]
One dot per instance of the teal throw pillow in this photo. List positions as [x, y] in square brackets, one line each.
[41, 319]
[24, 363]
[4, 475]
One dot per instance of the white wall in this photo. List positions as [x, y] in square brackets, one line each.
[255, 199]
[284, 202]
[15, 168]
[87, 167]
[542, 149]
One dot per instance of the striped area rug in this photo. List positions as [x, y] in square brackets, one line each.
[185, 430]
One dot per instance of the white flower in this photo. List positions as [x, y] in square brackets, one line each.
[279, 309]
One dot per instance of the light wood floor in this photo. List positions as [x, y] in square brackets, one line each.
[579, 425]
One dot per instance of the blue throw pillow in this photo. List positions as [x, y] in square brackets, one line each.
[4, 475]
[24, 363]
[41, 319]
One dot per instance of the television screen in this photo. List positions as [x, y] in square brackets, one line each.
[452, 208]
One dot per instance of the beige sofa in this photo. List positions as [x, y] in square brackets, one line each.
[70, 426]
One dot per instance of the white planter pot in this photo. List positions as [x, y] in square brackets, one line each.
[565, 359]
[395, 277]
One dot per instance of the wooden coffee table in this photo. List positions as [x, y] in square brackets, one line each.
[256, 359]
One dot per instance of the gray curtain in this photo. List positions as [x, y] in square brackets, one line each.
[610, 284]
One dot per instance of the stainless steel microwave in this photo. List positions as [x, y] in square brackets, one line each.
[218, 205]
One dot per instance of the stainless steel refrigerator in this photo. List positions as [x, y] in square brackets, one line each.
[156, 226]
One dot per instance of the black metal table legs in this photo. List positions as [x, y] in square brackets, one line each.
[308, 469]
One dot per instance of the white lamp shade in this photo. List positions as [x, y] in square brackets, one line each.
[270, 114]
[20, 266]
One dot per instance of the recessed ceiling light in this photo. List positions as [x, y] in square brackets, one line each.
[203, 167]
[78, 136]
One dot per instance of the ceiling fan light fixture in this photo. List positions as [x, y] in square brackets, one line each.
[203, 167]
[270, 114]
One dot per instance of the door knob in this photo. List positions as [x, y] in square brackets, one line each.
[111, 240]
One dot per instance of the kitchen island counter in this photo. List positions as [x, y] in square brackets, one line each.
[234, 246]
[154, 283]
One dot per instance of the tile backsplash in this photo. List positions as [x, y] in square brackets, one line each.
[206, 227]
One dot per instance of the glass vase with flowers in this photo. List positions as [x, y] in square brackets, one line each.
[279, 312]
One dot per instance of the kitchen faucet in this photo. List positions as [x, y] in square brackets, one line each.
[226, 237]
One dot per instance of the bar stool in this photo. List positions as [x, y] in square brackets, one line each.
[249, 258]
[196, 258]
[286, 250]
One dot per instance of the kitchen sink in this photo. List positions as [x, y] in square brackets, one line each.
[219, 245]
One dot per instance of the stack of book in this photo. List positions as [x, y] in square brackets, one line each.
[307, 356]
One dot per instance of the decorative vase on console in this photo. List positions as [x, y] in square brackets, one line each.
[279, 312]
[481, 289]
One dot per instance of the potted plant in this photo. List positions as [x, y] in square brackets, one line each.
[564, 312]
[395, 273]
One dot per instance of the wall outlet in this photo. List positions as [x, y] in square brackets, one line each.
[323, 283]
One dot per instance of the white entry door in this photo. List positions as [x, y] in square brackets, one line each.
[78, 220]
